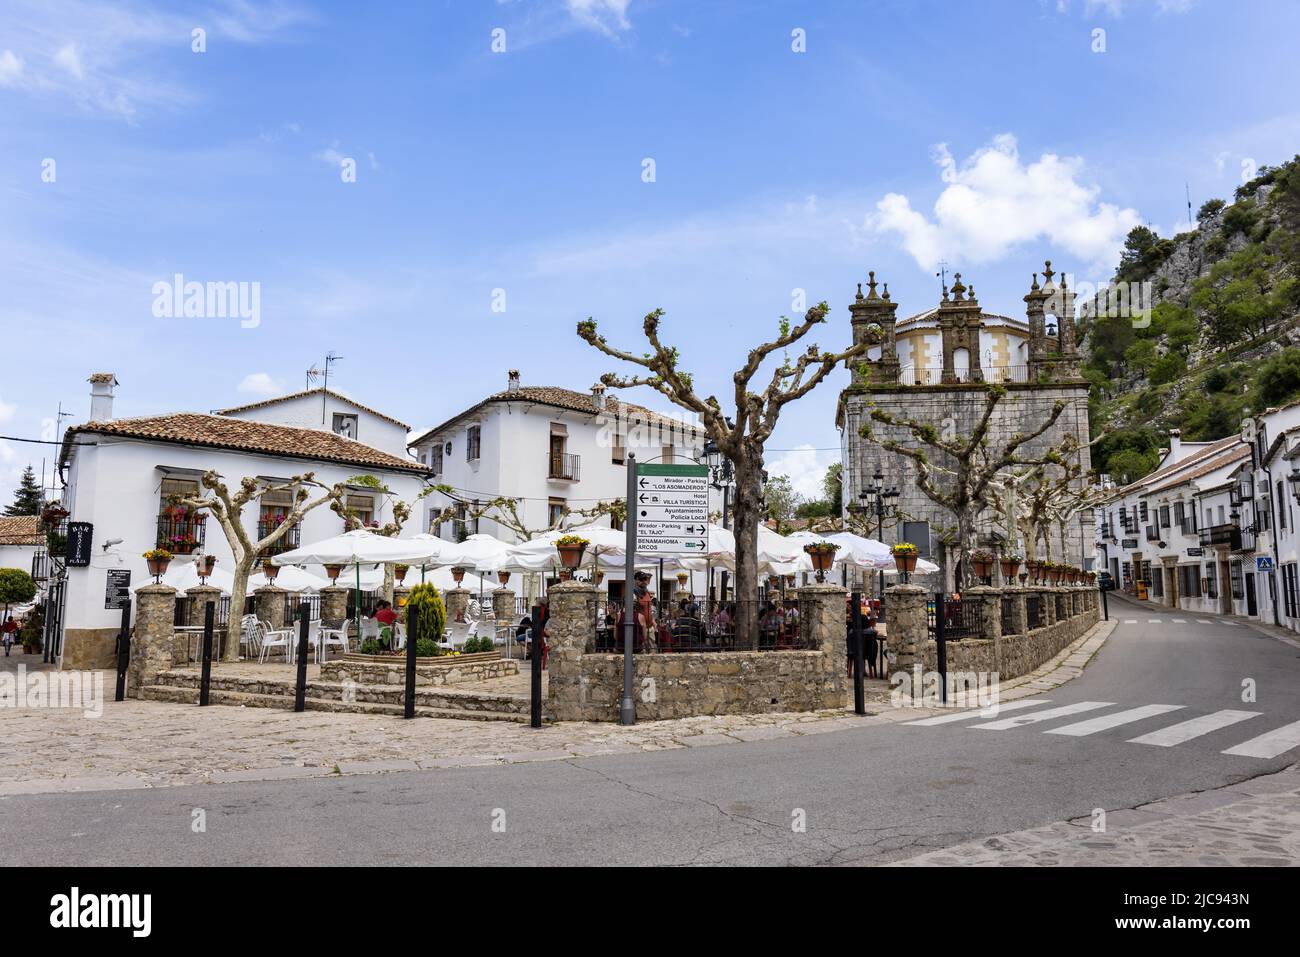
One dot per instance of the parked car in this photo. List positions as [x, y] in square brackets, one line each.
[1104, 581]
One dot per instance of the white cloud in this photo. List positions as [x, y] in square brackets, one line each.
[7, 410]
[68, 59]
[604, 16]
[260, 383]
[11, 68]
[992, 203]
[805, 466]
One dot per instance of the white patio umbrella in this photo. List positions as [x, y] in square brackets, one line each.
[440, 577]
[183, 576]
[290, 578]
[607, 545]
[360, 547]
[480, 551]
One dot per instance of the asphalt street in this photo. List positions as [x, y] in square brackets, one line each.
[1154, 715]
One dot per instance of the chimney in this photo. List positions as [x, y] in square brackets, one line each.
[513, 381]
[598, 396]
[1175, 445]
[101, 396]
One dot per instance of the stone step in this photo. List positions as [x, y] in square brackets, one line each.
[432, 697]
[184, 695]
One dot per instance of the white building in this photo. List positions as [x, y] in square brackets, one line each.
[119, 475]
[20, 544]
[553, 449]
[332, 411]
[1212, 529]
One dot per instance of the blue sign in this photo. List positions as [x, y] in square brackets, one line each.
[1263, 563]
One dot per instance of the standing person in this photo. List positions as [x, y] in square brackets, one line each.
[10, 633]
[872, 639]
[643, 605]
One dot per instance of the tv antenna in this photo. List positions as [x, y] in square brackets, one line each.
[942, 274]
[313, 374]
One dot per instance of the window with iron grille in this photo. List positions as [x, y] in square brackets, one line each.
[180, 527]
[1212, 591]
[1164, 516]
[1142, 511]
[473, 440]
[1238, 582]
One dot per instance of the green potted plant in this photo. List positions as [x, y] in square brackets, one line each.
[905, 555]
[822, 555]
[205, 565]
[982, 561]
[426, 617]
[157, 559]
[571, 549]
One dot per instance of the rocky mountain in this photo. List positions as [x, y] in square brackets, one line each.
[1221, 336]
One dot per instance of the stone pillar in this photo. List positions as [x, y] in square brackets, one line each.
[908, 629]
[990, 617]
[572, 631]
[824, 627]
[1019, 617]
[333, 603]
[268, 605]
[503, 606]
[153, 637]
[199, 596]
[1046, 602]
[457, 600]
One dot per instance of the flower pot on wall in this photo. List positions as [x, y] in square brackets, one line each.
[333, 571]
[458, 575]
[503, 578]
[270, 570]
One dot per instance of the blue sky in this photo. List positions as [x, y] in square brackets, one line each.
[988, 135]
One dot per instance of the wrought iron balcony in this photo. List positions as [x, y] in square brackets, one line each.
[933, 375]
[565, 466]
[288, 541]
[1226, 534]
[181, 533]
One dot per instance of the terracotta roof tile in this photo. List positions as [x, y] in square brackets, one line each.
[21, 530]
[215, 431]
[306, 392]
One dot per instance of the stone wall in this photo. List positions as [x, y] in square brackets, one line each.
[436, 672]
[582, 686]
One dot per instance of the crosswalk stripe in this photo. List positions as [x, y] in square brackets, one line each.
[977, 712]
[1155, 621]
[1130, 621]
[1270, 744]
[1186, 730]
[1179, 621]
[1108, 721]
[1023, 719]
[1205, 621]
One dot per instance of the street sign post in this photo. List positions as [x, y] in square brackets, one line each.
[671, 503]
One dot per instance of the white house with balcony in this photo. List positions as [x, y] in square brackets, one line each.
[555, 450]
[120, 475]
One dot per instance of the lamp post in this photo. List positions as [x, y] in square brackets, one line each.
[722, 477]
[877, 500]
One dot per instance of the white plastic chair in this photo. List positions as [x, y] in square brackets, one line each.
[250, 635]
[275, 638]
[337, 637]
[456, 635]
[399, 636]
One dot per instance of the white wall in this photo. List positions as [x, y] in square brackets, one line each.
[305, 412]
[115, 484]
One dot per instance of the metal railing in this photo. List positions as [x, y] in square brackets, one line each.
[705, 627]
[292, 601]
[184, 604]
[289, 540]
[933, 375]
[181, 534]
[960, 619]
[565, 465]
[1033, 612]
[1008, 625]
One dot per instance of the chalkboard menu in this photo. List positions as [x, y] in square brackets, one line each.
[117, 593]
[79, 540]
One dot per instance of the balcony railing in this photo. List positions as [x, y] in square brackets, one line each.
[289, 540]
[933, 375]
[1153, 533]
[1226, 534]
[563, 465]
[181, 534]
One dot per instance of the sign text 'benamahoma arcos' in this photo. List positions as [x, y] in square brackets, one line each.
[672, 509]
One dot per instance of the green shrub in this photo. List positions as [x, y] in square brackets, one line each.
[370, 647]
[426, 615]
[427, 648]
[1279, 378]
[1168, 368]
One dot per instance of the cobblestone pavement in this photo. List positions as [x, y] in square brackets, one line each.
[154, 744]
[1255, 822]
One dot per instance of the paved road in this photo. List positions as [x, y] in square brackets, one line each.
[1159, 712]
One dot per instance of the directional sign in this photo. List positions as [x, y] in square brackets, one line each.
[672, 509]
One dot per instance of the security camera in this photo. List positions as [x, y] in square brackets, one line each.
[109, 543]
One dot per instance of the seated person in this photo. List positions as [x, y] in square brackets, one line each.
[387, 618]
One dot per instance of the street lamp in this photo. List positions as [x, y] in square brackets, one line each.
[877, 500]
[722, 477]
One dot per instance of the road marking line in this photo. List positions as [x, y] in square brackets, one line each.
[1186, 730]
[1154, 621]
[977, 712]
[1271, 744]
[1108, 721]
[1130, 621]
[1179, 621]
[1048, 715]
[1205, 621]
